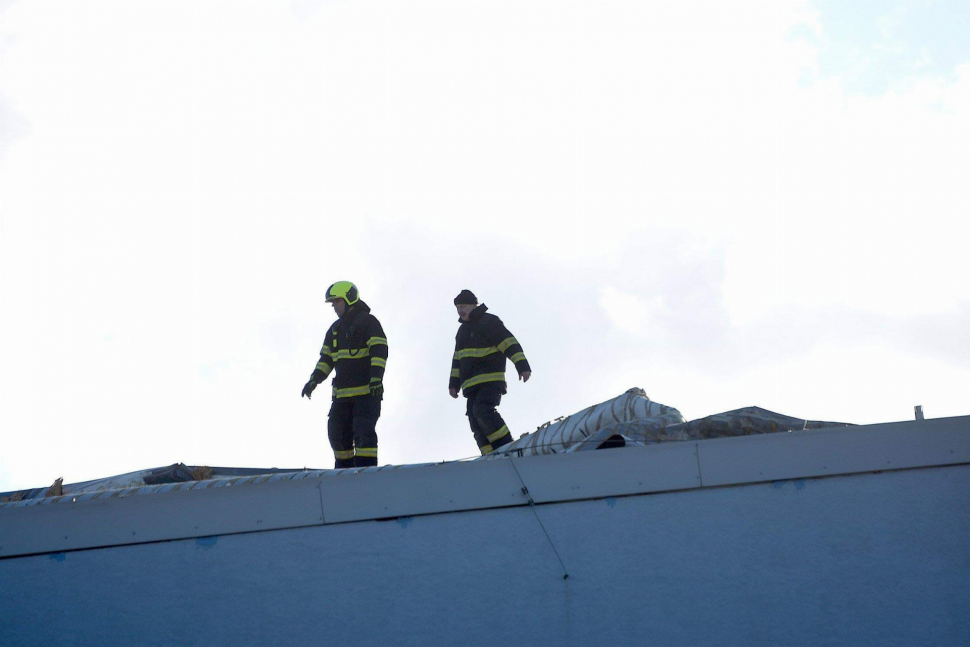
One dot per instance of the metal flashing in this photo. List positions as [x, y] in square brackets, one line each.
[827, 452]
[280, 501]
[610, 472]
[443, 487]
[180, 514]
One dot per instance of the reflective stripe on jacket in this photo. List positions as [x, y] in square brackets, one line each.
[482, 345]
[356, 347]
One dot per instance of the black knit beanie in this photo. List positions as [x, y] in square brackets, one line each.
[466, 297]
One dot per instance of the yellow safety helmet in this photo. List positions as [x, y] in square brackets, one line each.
[343, 290]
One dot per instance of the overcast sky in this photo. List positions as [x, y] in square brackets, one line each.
[726, 204]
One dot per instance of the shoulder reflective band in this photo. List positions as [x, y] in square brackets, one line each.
[373, 341]
[504, 346]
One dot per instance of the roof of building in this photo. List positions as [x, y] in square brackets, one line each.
[241, 504]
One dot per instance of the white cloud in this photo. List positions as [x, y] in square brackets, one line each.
[604, 175]
[635, 315]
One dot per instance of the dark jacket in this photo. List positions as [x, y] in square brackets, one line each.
[481, 346]
[355, 345]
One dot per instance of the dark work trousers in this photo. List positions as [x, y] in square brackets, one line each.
[353, 430]
[490, 430]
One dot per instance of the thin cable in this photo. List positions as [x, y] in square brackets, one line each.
[532, 504]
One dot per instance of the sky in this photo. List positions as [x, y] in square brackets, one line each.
[726, 204]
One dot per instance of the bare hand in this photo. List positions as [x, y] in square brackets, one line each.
[525, 375]
[453, 393]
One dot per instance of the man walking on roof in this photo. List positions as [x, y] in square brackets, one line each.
[478, 369]
[356, 348]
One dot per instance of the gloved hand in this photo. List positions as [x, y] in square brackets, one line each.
[308, 389]
[377, 389]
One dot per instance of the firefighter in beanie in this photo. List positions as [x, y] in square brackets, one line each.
[482, 345]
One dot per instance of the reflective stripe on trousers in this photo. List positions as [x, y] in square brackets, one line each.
[487, 426]
[352, 430]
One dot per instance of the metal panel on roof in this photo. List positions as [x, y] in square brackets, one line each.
[444, 487]
[827, 452]
[610, 472]
[141, 518]
[227, 506]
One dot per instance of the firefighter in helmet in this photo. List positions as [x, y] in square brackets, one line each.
[355, 348]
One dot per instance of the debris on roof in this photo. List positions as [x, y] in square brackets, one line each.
[175, 473]
[631, 418]
[57, 489]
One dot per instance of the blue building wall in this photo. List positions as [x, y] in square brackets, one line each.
[865, 559]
